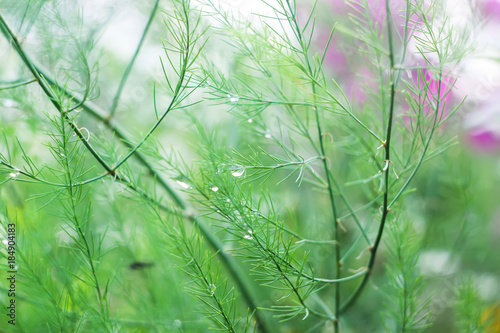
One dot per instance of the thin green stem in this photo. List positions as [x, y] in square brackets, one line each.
[215, 205]
[386, 205]
[50, 93]
[349, 207]
[37, 179]
[293, 287]
[131, 63]
[424, 152]
[295, 26]
[87, 251]
[199, 271]
[387, 146]
[16, 84]
[169, 108]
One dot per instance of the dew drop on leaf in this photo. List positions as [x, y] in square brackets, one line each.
[182, 184]
[9, 103]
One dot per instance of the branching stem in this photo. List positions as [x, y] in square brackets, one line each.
[238, 277]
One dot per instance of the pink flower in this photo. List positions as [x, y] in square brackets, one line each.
[482, 126]
[377, 9]
[432, 92]
[491, 9]
[484, 140]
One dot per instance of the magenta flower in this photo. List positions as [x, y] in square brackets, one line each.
[484, 140]
[377, 11]
[491, 9]
[431, 92]
[482, 127]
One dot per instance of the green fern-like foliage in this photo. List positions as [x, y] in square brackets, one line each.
[233, 181]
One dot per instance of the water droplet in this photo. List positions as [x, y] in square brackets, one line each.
[218, 210]
[182, 184]
[250, 120]
[238, 172]
[233, 98]
[250, 231]
[6, 242]
[177, 323]
[248, 237]
[62, 155]
[214, 188]
[228, 200]
[211, 288]
[9, 103]
[268, 135]
[14, 174]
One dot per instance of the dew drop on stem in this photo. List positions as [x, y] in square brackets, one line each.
[211, 288]
[238, 172]
[233, 98]
[182, 184]
[214, 188]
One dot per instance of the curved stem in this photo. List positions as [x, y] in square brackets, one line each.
[387, 146]
[12, 85]
[395, 75]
